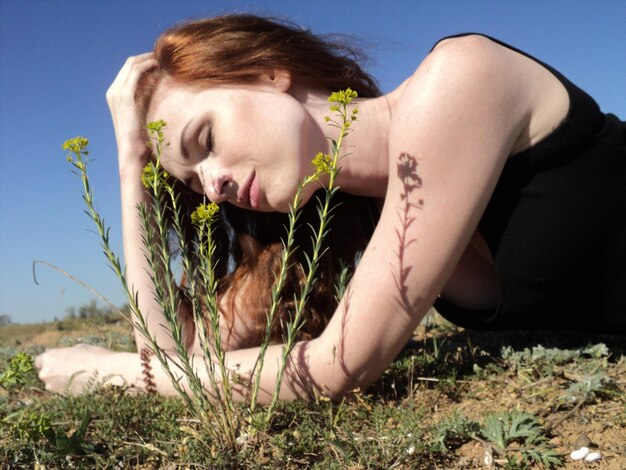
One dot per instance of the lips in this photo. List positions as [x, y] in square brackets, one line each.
[254, 192]
[248, 191]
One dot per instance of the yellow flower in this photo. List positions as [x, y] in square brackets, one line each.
[322, 163]
[204, 213]
[156, 126]
[76, 145]
[150, 173]
[343, 97]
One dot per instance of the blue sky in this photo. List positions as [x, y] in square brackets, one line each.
[57, 58]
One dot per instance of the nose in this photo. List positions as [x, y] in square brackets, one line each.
[214, 182]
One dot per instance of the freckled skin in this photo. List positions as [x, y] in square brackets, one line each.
[243, 123]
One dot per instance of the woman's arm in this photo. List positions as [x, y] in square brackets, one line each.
[453, 127]
[133, 155]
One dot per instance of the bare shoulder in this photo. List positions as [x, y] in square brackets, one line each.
[471, 64]
[475, 52]
[469, 89]
[466, 41]
[473, 69]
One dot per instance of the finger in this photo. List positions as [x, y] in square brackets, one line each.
[39, 361]
[137, 59]
[134, 65]
[127, 79]
[144, 55]
[138, 68]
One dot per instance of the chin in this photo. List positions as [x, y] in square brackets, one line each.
[284, 205]
[281, 204]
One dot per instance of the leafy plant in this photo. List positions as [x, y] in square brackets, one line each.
[588, 387]
[72, 443]
[504, 429]
[453, 431]
[542, 360]
[18, 371]
[26, 425]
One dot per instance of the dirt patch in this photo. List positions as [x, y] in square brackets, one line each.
[571, 385]
[560, 395]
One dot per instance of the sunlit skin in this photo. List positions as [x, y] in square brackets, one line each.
[223, 138]
[469, 105]
[223, 141]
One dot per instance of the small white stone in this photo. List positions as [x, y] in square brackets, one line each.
[580, 453]
[488, 457]
[411, 450]
[243, 438]
[593, 456]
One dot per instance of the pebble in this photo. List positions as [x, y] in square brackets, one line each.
[593, 456]
[580, 453]
[582, 441]
[488, 459]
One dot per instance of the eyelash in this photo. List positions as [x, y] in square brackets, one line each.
[209, 140]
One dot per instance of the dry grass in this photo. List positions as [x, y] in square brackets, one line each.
[429, 410]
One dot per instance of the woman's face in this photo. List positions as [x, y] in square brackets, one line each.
[245, 144]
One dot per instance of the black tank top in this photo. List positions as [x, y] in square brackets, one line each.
[556, 228]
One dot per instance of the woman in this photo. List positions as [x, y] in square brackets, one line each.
[502, 190]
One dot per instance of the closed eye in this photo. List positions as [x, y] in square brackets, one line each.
[209, 140]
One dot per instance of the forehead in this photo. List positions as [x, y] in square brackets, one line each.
[168, 97]
[173, 99]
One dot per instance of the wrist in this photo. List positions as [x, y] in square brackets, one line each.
[123, 368]
[131, 171]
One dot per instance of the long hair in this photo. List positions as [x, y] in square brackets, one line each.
[237, 49]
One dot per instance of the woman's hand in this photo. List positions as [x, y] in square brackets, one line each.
[79, 368]
[129, 128]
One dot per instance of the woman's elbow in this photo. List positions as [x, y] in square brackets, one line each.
[329, 374]
[347, 388]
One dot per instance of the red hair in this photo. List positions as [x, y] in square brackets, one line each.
[237, 49]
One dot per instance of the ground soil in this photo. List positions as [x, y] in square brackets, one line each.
[602, 419]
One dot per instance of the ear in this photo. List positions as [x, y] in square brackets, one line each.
[278, 78]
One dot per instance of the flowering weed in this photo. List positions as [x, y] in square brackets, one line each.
[212, 403]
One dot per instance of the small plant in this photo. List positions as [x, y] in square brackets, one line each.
[30, 427]
[588, 387]
[27, 426]
[212, 404]
[18, 372]
[502, 430]
[324, 164]
[453, 431]
[542, 361]
[72, 443]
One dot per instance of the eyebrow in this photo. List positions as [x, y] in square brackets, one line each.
[183, 150]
